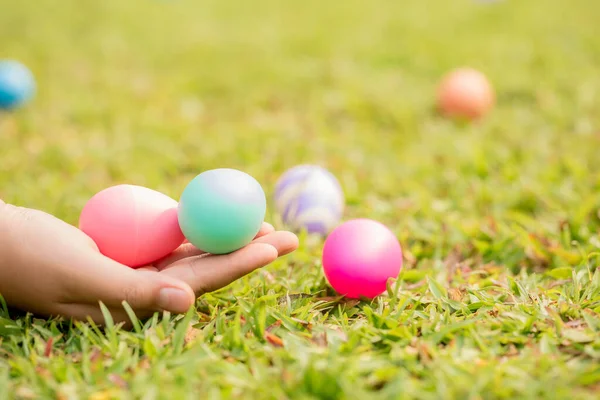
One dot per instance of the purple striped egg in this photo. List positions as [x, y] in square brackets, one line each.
[309, 197]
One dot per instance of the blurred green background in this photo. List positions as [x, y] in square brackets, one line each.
[154, 92]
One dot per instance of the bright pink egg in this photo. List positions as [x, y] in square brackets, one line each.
[132, 224]
[360, 256]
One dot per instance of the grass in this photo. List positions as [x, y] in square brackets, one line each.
[499, 296]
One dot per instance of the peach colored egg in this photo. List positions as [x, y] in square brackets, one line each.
[132, 224]
[465, 93]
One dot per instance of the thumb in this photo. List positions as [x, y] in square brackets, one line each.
[103, 279]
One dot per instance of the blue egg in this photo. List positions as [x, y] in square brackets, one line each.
[309, 197]
[222, 210]
[17, 84]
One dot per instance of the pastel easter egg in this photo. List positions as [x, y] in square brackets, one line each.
[360, 256]
[17, 85]
[309, 197]
[465, 93]
[222, 210]
[133, 225]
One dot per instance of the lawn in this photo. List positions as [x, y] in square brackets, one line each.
[499, 296]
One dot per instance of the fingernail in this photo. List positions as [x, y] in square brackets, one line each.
[174, 300]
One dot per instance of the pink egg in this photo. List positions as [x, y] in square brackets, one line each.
[360, 256]
[132, 224]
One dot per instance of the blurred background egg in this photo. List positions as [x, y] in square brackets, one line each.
[309, 197]
[132, 224]
[17, 85]
[465, 93]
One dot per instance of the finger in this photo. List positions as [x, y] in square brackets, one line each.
[285, 242]
[184, 251]
[265, 229]
[188, 250]
[208, 273]
[102, 279]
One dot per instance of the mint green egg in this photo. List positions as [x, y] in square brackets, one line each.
[222, 210]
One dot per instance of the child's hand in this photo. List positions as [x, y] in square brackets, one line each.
[49, 267]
